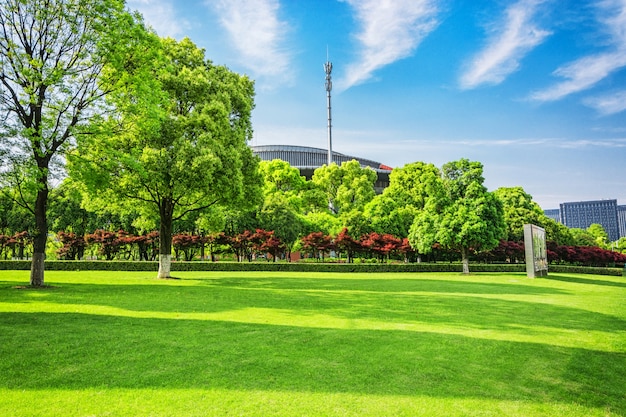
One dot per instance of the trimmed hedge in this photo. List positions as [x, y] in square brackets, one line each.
[296, 267]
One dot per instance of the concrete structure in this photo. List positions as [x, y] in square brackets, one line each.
[536, 251]
[583, 214]
[308, 159]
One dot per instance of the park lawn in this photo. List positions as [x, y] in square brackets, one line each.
[312, 344]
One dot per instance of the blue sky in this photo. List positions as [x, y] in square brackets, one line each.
[533, 89]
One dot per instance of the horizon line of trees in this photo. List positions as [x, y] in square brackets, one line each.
[248, 245]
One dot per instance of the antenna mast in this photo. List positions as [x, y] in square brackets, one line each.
[328, 67]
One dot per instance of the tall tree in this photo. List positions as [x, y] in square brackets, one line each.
[519, 209]
[393, 211]
[280, 178]
[347, 187]
[52, 53]
[460, 214]
[178, 143]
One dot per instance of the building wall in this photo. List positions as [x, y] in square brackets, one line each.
[621, 219]
[554, 214]
[583, 214]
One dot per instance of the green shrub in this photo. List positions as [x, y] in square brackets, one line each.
[55, 265]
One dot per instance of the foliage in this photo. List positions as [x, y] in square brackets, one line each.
[18, 244]
[265, 241]
[280, 178]
[182, 146]
[459, 214]
[347, 187]
[281, 217]
[73, 246]
[381, 245]
[344, 242]
[519, 209]
[317, 244]
[581, 237]
[584, 255]
[600, 236]
[52, 58]
[188, 244]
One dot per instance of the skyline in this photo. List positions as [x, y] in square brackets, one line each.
[535, 89]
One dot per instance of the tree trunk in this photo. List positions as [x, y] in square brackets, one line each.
[166, 211]
[465, 260]
[40, 237]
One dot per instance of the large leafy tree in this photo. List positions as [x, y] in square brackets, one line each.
[460, 214]
[177, 144]
[280, 178]
[347, 187]
[519, 209]
[393, 211]
[52, 54]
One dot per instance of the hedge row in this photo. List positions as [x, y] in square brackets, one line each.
[54, 265]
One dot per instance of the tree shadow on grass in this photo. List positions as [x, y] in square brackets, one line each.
[586, 281]
[339, 301]
[384, 285]
[78, 351]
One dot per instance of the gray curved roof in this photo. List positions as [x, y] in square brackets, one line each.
[306, 157]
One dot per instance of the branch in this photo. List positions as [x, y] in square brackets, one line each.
[191, 210]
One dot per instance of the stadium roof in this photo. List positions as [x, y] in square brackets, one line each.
[305, 157]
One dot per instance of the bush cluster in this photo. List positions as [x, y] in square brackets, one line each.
[53, 265]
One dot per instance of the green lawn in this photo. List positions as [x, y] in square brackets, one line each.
[305, 344]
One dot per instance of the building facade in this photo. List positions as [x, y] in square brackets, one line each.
[554, 214]
[621, 220]
[308, 159]
[583, 214]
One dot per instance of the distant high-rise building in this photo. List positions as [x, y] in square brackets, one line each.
[583, 214]
[554, 214]
[621, 219]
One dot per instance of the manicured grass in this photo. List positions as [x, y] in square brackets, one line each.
[305, 344]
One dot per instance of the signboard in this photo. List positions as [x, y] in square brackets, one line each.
[536, 251]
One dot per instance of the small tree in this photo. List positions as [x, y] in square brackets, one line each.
[107, 243]
[188, 244]
[266, 241]
[317, 243]
[73, 245]
[345, 243]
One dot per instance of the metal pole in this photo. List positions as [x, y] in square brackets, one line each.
[328, 67]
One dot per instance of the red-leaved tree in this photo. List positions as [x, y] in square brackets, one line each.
[345, 243]
[317, 244]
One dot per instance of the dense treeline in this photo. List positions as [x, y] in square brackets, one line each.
[295, 216]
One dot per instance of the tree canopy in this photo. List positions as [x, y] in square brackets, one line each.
[177, 142]
[461, 214]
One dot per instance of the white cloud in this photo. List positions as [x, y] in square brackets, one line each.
[161, 15]
[608, 104]
[390, 30]
[511, 39]
[585, 72]
[257, 34]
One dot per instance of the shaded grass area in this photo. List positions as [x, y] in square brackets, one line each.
[312, 344]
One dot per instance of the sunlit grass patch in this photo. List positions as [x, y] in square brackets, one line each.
[116, 343]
